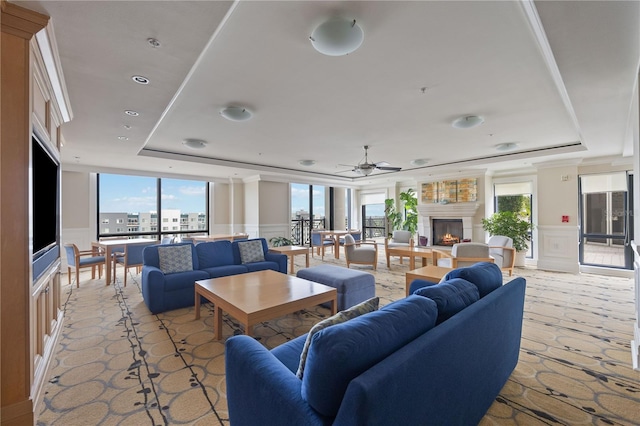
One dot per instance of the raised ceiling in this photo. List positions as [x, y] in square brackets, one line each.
[555, 77]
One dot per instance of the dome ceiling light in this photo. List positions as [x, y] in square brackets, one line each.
[194, 143]
[306, 162]
[467, 122]
[236, 113]
[419, 162]
[337, 37]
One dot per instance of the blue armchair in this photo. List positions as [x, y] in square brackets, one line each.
[78, 259]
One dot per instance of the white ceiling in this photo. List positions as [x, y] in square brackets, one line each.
[556, 77]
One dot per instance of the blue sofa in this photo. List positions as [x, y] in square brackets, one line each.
[400, 365]
[163, 292]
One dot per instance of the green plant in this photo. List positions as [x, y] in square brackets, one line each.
[510, 225]
[410, 201]
[280, 241]
[393, 217]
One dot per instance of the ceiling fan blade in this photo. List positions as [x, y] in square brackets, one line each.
[382, 163]
[348, 165]
[345, 171]
[391, 169]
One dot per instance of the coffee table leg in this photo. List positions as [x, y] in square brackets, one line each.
[291, 263]
[197, 305]
[424, 261]
[307, 256]
[412, 263]
[217, 322]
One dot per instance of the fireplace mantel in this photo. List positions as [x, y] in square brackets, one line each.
[454, 210]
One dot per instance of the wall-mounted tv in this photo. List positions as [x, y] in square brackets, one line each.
[45, 199]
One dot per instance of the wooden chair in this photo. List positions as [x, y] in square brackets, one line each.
[319, 242]
[501, 249]
[399, 238]
[79, 259]
[462, 254]
[361, 252]
[132, 258]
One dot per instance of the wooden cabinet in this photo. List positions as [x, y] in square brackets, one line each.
[30, 309]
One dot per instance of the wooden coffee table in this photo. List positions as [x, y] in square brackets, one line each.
[291, 252]
[260, 296]
[411, 253]
[429, 273]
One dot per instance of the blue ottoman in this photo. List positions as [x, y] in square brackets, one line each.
[353, 286]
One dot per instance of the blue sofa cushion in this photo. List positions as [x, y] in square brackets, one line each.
[416, 284]
[175, 259]
[451, 296]
[214, 253]
[362, 308]
[339, 353]
[225, 271]
[178, 281]
[486, 276]
[251, 251]
[261, 266]
[289, 353]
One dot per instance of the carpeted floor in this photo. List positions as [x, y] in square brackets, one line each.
[118, 364]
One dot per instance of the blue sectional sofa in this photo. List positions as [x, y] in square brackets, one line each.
[413, 362]
[166, 291]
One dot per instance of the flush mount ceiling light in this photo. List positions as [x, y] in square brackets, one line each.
[467, 122]
[507, 146]
[153, 42]
[123, 138]
[132, 113]
[194, 143]
[140, 79]
[236, 113]
[419, 162]
[337, 37]
[307, 162]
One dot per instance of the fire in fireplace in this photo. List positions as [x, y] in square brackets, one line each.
[447, 232]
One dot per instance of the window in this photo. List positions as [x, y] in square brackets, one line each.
[373, 219]
[149, 200]
[515, 197]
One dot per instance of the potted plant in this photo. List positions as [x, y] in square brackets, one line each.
[410, 200]
[280, 241]
[511, 225]
[393, 217]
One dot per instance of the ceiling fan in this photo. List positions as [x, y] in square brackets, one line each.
[366, 168]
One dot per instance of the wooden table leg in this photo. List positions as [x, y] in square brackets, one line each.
[336, 248]
[217, 322]
[107, 264]
[424, 261]
[412, 263]
[291, 256]
[307, 256]
[197, 304]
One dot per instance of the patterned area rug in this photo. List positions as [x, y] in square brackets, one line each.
[118, 364]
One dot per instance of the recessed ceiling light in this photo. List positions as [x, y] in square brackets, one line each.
[306, 162]
[507, 146]
[140, 79]
[236, 113]
[123, 138]
[132, 113]
[126, 126]
[194, 143]
[419, 161]
[153, 42]
[467, 122]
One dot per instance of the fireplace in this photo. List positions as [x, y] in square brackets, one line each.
[447, 232]
[462, 213]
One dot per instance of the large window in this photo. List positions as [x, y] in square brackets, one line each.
[136, 201]
[516, 197]
[305, 199]
[373, 219]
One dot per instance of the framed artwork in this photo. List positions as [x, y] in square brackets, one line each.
[429, 192]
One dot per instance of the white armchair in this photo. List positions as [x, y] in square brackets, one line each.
[361, 252]
[398, 238]
[462, 254]
[501, 249]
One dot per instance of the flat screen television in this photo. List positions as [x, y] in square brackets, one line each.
[45, 199]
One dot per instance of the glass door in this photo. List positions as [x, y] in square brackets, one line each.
[605, 225]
